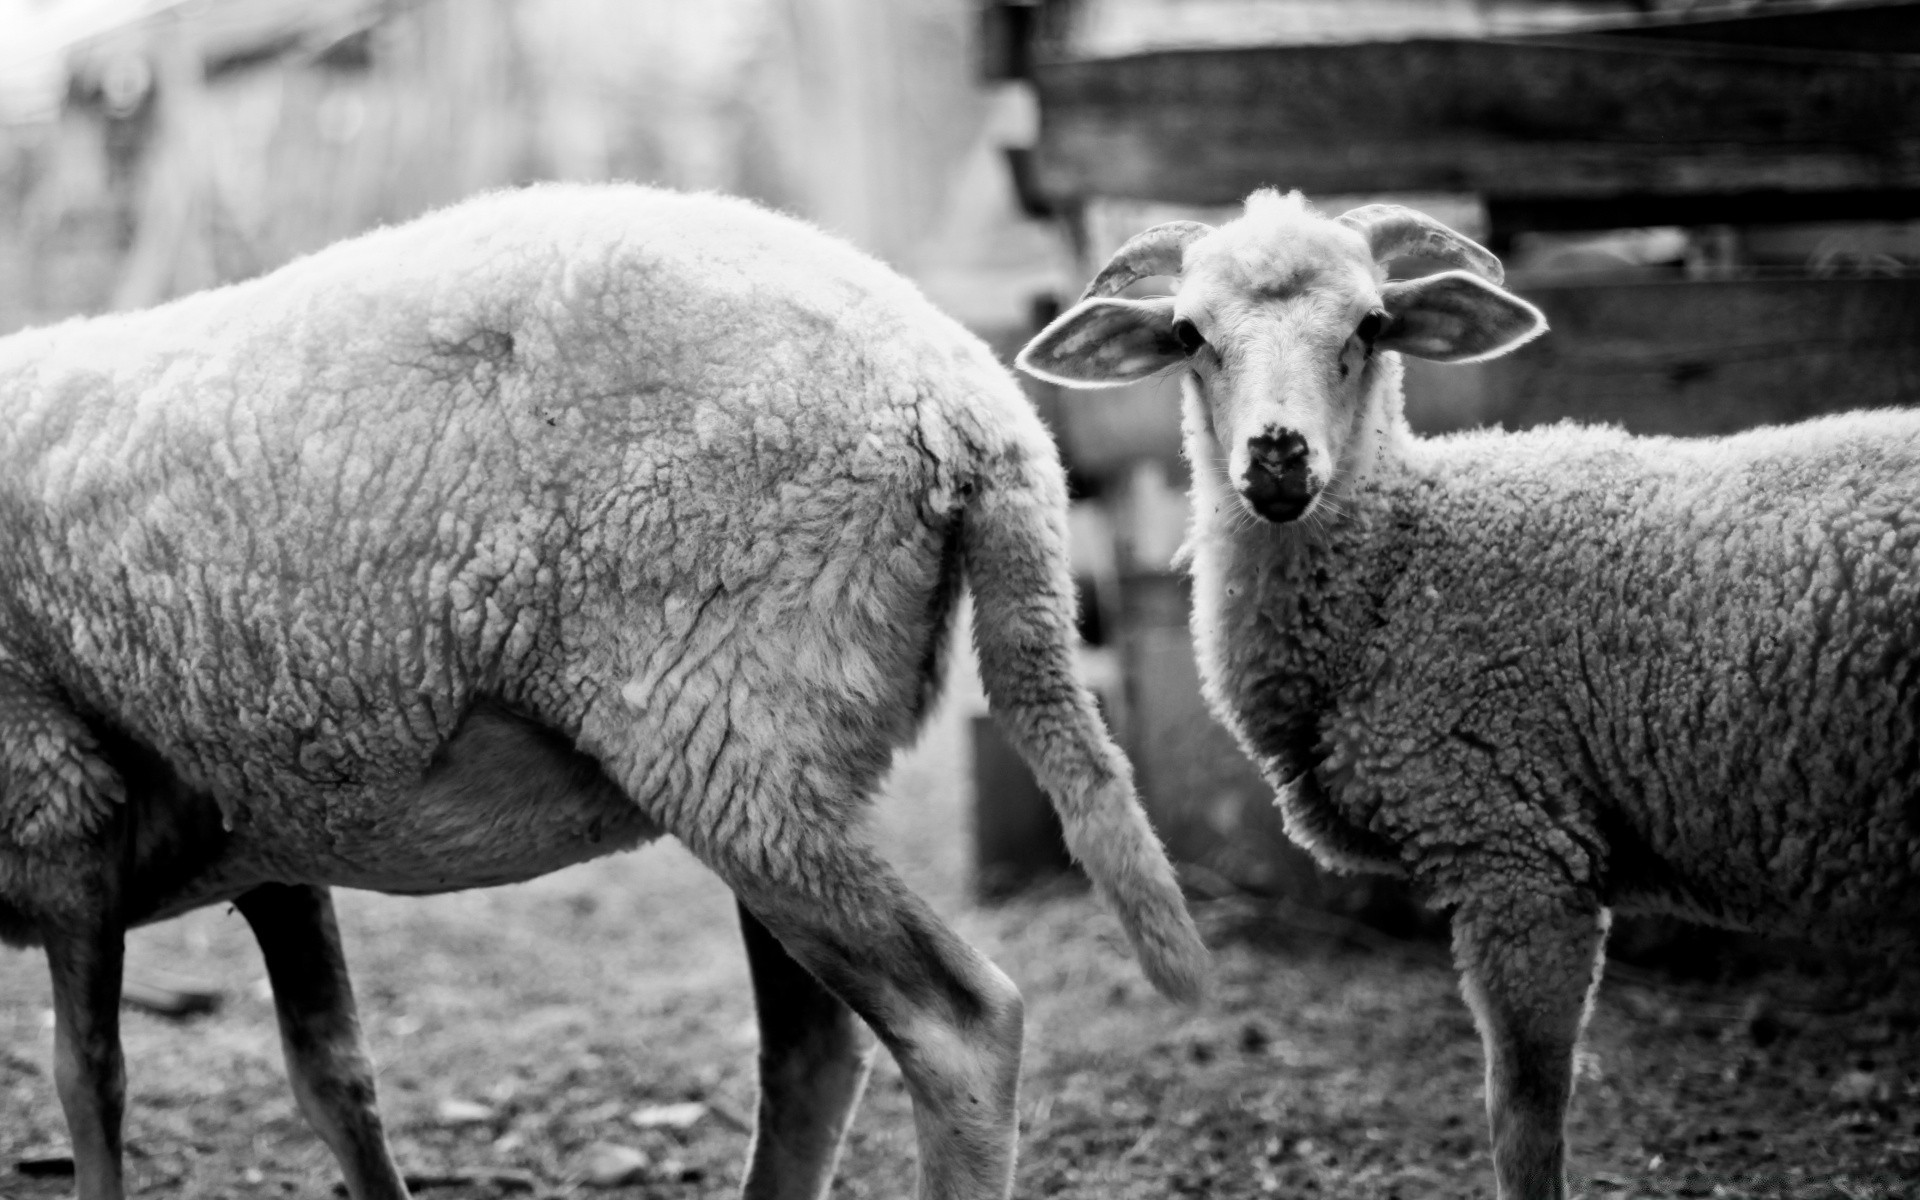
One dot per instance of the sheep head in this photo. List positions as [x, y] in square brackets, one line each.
[1279, 319]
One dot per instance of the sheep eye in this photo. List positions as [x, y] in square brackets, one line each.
[1188, 335]
[1370, 327]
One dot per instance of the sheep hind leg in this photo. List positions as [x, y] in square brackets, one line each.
[1529, 968]
[327, 1061]
[814, 1059]
[950, 1018]
[89, 1069]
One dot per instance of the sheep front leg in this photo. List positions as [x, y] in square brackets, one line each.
[951, 1019]
[1530, 963]
[88, 1070]
[814, 1059]
[327, 1060]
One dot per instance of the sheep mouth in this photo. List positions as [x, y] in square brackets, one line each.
[1279, 498]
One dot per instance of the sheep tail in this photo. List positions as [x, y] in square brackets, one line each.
[1014, 544]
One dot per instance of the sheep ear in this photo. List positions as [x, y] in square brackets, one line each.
[1455, 317]
[1104, 342]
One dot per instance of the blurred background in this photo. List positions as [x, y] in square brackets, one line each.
[149, 148]
[1716, 202]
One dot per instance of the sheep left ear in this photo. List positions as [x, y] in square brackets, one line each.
[1104, 342]
[1455, 317]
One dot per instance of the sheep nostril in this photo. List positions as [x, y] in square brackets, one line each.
[1279, 455]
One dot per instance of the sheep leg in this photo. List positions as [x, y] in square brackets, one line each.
[88, 1069]
[814, 1059]
[327, 1060]
[1529, 967]
[951, 1019]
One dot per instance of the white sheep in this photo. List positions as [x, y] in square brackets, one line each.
[1544, 674]
[526, 532]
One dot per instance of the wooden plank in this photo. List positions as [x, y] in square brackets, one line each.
[1003, 41]
[1588, 117]
[1017, 839]
[1507, 215]
[1100, 28]
[1690, 357]
[1660, 357]
[1881, 27]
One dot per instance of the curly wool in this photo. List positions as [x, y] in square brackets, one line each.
[1670, 674]
[1544, 674]
[291, 529]
[650, 509]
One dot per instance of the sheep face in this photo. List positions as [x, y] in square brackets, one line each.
[1278, 324]
[1278, 319]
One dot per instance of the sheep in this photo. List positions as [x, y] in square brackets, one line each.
[1547, 674]
[531, 530]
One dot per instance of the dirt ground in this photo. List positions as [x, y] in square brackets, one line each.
[520, 1031]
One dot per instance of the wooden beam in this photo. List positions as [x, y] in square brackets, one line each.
[1886, 27]
[1507, 215]
[1017, 840]
[1525, 118]
[1701, 357]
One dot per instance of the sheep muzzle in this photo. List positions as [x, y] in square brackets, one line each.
[1278, 484]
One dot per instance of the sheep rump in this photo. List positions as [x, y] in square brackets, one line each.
[527, 531]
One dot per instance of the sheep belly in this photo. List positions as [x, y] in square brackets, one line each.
[505, 800]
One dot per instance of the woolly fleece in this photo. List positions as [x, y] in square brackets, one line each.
[1667, 674]
[1544, 674]
[685, 483]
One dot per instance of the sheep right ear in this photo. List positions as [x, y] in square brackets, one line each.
[1104, 342]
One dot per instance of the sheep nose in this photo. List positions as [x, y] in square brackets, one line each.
[1277, 483]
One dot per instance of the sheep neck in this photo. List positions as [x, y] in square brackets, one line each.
[1279, 611]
